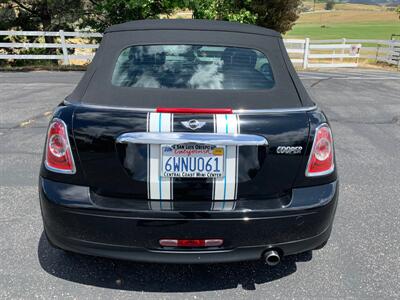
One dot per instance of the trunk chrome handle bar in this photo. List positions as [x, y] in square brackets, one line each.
[217, 139]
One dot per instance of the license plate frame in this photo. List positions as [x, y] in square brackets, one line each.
[198, 154]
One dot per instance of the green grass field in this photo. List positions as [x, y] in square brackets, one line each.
[374, 30]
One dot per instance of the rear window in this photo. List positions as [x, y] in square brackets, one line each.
[192, 67]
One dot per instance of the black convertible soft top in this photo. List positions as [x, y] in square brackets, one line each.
[96, 88]
[192, 25]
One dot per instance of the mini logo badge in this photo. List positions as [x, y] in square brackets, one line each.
[193, 124]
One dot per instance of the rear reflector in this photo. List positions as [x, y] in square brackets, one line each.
[58, 150]
[321, 161]
[191, 243]
[184, 110]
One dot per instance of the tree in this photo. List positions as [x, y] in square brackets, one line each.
[7, 15]
[275, 14]
[103, 13]
[47, 15]
[99, 14]
[279, 15]
[38, 15]
[330, 4]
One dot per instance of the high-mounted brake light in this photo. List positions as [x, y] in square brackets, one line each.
[185, 110]
[321, 161]
[58, 150]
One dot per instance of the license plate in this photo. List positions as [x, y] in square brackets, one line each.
[192, 160]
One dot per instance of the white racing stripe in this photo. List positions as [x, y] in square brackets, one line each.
[225, 188]
[159, 188]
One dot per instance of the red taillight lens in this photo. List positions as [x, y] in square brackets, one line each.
[58, 150]
[321, 160]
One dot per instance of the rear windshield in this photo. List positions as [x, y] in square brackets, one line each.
[193, 67]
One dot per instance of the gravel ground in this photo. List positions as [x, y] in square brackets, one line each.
[360, 261]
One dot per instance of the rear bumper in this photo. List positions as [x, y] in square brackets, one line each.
[72, 221]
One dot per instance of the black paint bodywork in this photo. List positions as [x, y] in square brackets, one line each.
[103, 208]
[79, 221]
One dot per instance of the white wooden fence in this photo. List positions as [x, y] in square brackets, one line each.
[64, 45]
[308, 54]
[305, 53]
[379, 50]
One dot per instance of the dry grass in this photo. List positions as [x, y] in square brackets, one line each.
[348, 16]
[354, 6]
[179, 14]
[345, 6]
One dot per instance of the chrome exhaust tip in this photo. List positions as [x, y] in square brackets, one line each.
[272, 257]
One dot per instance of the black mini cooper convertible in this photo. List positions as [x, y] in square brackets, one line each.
[189, 141]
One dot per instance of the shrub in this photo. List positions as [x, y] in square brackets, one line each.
[330, 4]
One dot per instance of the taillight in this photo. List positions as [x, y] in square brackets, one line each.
[58, 150]
[321, 161]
